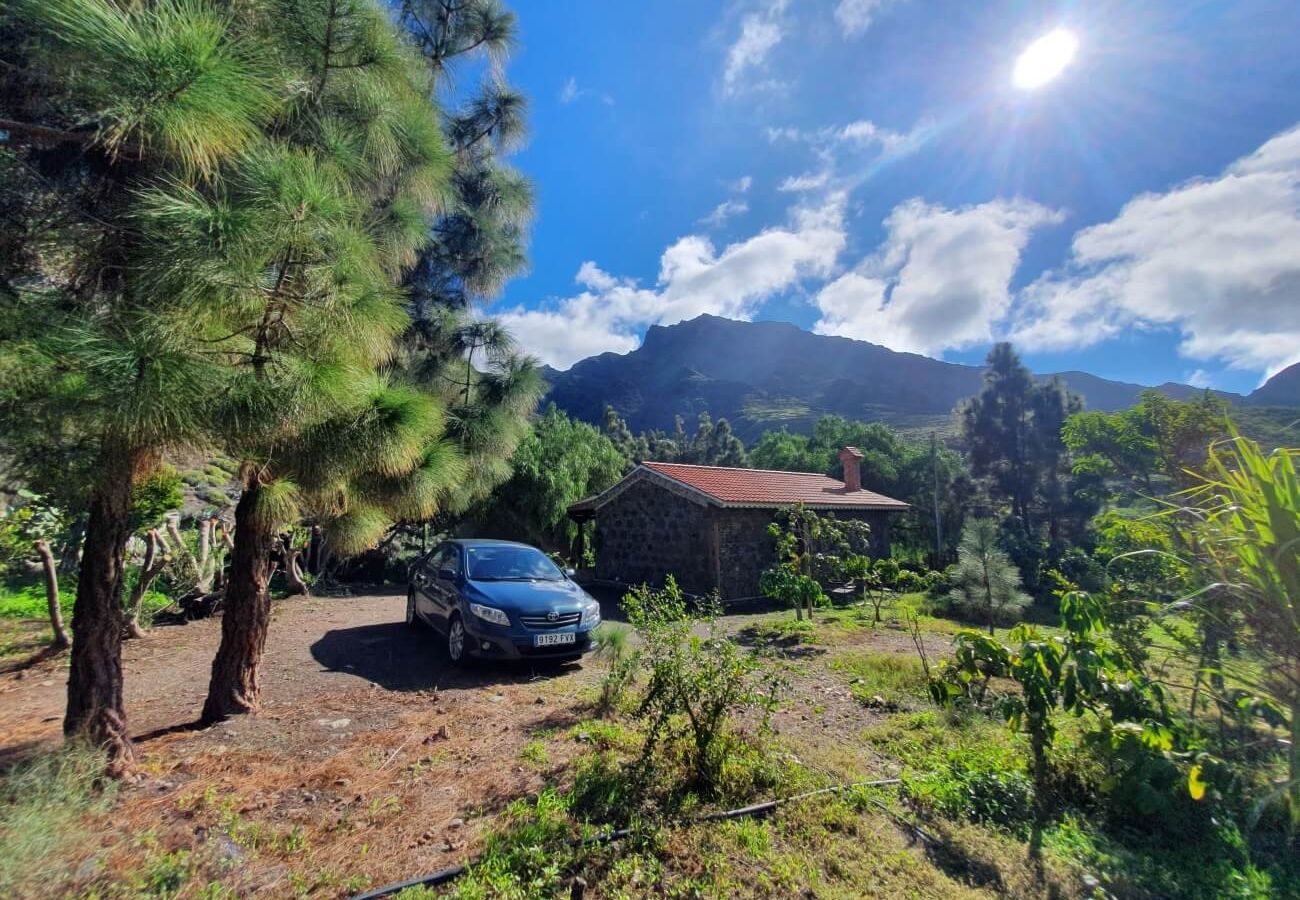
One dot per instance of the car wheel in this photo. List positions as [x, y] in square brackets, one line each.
[456, 641]
[410, 609]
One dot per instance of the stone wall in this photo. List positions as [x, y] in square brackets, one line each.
[747, 549]
[647, 532]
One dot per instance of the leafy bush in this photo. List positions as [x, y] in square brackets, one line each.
[695, 684]
[802, 592]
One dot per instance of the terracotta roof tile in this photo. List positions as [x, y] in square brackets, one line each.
[764, 487]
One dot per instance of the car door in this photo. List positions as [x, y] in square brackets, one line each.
[424, 580]
[445, 585]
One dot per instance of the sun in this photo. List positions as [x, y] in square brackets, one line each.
[1045, 59]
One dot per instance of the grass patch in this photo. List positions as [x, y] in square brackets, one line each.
[959, 766]
[534, 753]
[45, 809]
[27, 601]
[893, 677]
[1215, 864]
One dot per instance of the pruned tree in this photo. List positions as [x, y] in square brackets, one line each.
[59, 639]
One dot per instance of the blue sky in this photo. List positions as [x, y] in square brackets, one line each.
[868, 168]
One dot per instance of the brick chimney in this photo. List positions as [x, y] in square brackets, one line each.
[851, 457]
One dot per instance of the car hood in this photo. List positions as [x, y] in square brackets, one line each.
[531, 596]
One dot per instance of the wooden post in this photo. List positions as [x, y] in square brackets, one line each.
[938, 522]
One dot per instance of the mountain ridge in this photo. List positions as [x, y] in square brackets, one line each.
[761, 375]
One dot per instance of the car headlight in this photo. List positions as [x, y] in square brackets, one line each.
[489, 614]
[591, 616]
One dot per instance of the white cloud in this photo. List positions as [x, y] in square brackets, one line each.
[724, 211]
[784, 133]
[571, 93]
[860, 148]
[760, 31]
[855, 16]
[741, 185]
[939, 281]
[809, 181]
[1198, 378]
[694, 278]
[1216, 259]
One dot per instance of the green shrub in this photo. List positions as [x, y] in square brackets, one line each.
[695, 684]
[27, 601]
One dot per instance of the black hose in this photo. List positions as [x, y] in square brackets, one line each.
[608, 837]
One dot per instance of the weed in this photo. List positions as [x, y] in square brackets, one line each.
[603, 735]
[534, 753]
[526, 857]
[613, 646]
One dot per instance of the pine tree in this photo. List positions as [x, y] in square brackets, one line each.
[293, 268]
[103, 103]
[985, 581]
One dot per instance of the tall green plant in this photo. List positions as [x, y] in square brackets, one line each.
[291, 266]
[695, 683]
[1246, 531]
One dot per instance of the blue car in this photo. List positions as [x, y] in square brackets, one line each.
[500, 600]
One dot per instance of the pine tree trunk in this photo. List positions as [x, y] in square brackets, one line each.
[234, 689]
[60, 640]
[95, 708]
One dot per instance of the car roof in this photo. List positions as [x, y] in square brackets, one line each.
[487, 542]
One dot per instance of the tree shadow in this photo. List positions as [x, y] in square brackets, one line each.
[610, 598]
[399, 657]
[48, 652]
[14, 756]
[785, 646]
[955, 862]
[180, 728]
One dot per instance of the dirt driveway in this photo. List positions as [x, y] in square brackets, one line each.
[323, 656]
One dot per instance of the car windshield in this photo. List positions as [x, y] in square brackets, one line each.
[511, 564]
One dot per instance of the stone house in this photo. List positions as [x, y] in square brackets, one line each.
[707, 525]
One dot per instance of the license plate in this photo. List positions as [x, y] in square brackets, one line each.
[549, 640]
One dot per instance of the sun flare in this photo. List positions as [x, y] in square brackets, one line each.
[1045, 59]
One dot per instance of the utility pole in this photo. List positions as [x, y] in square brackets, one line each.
[938, 521]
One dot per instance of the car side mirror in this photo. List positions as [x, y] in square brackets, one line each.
[569, 573]
[446, 573]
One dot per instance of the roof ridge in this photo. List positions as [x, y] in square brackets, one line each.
[657, 462]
